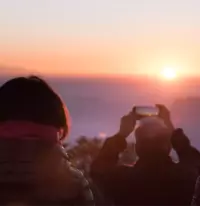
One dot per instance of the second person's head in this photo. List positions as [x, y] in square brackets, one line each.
[32, 99]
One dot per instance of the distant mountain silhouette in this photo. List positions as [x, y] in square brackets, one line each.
[187, 106]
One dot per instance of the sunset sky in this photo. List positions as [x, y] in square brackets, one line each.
[99, 37]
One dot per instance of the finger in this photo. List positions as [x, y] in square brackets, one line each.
[160, 106]
[134, 109]
[128, 115]
[132, 115]
[125, 116]
[163, 108]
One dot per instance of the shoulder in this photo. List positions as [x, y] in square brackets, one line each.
[77, 175]
[85, 188]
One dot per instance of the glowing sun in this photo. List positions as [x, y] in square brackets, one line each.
[169, 73]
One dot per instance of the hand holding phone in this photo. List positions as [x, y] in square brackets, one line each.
[146, 111]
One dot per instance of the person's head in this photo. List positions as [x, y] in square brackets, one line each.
[32, 99]
[152, 138]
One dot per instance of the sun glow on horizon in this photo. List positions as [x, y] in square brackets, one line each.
[169, 73]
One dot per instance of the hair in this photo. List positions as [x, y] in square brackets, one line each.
[32, 99]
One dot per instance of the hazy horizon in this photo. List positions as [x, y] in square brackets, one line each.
[11, 73]
[96, 105]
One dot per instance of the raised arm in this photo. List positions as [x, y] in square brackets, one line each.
[187, 154]
[105, 170]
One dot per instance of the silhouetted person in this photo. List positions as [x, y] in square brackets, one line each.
[155, 179]
[34, 168]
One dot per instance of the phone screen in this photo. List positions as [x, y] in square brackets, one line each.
[147, 111]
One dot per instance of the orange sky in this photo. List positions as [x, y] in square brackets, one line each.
[115, 57]
[100, 38]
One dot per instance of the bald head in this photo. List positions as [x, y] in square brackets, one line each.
[152, 137]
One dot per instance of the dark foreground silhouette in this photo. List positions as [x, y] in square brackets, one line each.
[34, 169]
[154, 179]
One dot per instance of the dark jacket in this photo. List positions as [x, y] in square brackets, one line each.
[38, 173]
[152, 181]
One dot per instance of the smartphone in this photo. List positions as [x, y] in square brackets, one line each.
[146, 111]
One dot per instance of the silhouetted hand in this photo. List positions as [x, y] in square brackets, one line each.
[127, 125]
[164, 114]
[179, 140]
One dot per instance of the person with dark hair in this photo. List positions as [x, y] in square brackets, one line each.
[34, 168]
[34, 100]
[154, 179]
